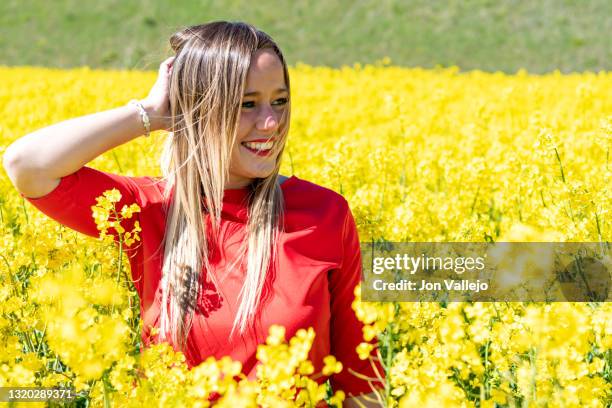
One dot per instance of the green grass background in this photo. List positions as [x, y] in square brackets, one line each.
[539, 36]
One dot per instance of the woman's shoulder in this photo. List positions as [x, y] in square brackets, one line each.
[150, 189]
[301, 193]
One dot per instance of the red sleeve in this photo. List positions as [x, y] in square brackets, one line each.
[346, 330]
[71, 201]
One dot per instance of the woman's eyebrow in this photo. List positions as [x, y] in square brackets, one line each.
[279, 90]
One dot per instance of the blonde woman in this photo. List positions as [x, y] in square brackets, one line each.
[228, 246]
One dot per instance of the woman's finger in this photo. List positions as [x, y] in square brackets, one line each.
[166, 66]
[163, 67]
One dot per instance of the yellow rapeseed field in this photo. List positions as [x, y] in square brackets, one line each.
[421, 155]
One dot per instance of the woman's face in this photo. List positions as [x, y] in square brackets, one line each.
[264, 100]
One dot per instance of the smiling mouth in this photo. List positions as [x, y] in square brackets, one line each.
[260, 149]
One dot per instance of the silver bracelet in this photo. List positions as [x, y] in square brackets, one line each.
[143, 115]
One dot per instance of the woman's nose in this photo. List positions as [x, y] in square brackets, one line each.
[268, 119]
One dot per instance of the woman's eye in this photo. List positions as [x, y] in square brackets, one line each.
[251, 104]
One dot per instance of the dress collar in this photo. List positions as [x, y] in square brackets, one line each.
[235, 201]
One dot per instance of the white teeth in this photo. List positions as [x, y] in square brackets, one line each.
[259, 146]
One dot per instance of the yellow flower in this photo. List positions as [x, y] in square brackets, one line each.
[331, 365]
[127, 211]
[364, 350]
[277, 335]
[113, 196]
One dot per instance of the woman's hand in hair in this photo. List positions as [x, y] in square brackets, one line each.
[156, 103]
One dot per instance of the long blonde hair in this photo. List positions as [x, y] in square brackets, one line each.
[205, 92]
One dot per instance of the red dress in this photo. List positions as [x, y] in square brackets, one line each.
[319, 259]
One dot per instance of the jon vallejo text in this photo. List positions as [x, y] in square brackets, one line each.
[448, 284]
